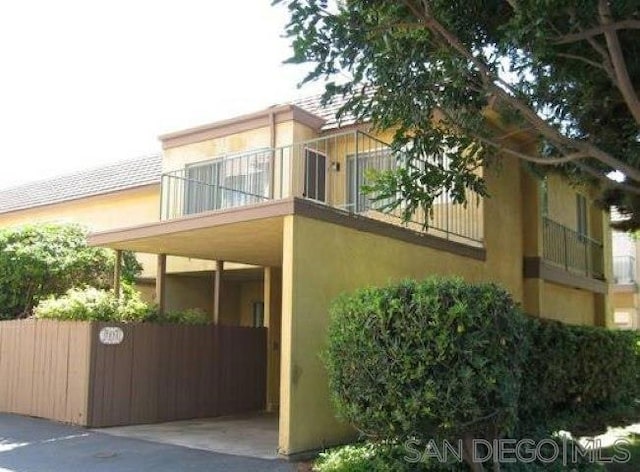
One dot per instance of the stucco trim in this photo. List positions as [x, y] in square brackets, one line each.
[328, 214]
[538, 268]
[260, 119]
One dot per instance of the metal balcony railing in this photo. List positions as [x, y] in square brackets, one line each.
[330, 170]
[575, 252]
[232, 181]
[624, 270]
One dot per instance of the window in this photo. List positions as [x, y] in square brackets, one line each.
[315, 169]
[582, 218]
[227, 182]
[199, 194]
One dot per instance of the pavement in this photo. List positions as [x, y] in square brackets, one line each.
[249, 435]
[35, 445]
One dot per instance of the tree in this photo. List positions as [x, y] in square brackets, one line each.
[37, 261]
[455, 79]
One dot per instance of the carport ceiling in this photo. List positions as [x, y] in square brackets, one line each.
[257, 242]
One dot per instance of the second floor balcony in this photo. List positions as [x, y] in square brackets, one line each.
[329, 170]
[575, 252]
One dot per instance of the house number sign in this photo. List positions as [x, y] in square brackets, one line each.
[111, 335]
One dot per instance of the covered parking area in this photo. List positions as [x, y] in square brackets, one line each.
[244, 290]
[308, 253]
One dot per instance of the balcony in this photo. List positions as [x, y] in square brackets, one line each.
[624, 270]
[575, 252]
[329, 170]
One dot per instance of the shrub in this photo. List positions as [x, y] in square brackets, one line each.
[92, 304]
[190, 316]
[579, 379]
[372, 456]
[431, 359]
[443, 358]
[37, 261]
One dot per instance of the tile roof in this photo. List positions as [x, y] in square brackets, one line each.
[117, 176]
[328, 112]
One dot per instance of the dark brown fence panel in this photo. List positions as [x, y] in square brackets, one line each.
[171, 372]
[44, 369]
[61, 371]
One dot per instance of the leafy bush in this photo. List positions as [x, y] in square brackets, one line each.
[443, 358]
[190, 316]
[372, 456]
[432, 359]
[579, 379]
[92, 304]
[390, 457]
[37, 261]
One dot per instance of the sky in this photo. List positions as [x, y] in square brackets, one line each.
[85, 83]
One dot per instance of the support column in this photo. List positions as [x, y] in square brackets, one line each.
[216, 291]
[161, 283]
[117, 273]
[533, 241]
[272, 303]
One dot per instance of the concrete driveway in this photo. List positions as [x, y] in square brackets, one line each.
[248, 435]
[34, 445]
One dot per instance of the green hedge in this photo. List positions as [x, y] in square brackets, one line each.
[444, 358]
[579, 378]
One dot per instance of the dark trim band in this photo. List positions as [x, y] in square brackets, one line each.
[538, 268]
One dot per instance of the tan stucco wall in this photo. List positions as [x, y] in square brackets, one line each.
[250, 292]
[320, 263]
[570, 305]
[185, 292]
[561, 201]
[322, 260]
[99, 213]
[624, 300]
[260, 138]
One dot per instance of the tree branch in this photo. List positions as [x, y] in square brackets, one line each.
[596, 30]
[546, 161]
[606, 180]
[617, 60]
[547, 130]
[583, 59]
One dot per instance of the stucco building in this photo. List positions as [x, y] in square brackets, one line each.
[261, 221]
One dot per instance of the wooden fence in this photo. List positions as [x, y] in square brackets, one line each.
[62, 371]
